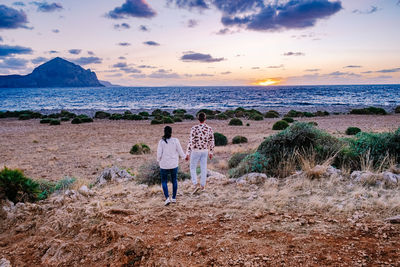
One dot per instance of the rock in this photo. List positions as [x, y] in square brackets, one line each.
[366, 177]
[5, 263]
[395, 219]
[254, 178]
[189, 234]
[391, 178]
[113, 174]
[215, 174]
[84, 190]
[331, 171]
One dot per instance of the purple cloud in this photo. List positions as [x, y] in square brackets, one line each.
[151, 43]
[124, 44]
[122, 26]
[120, 65]
[198, 57]
[75, 51]
[87, 60]
[18, 3]
[275, 67]
[226, 72]
[143, 28]
[39, 60]
[389, 70]
[192, 23]
[132, 8]
[146, 67]
[352, 66]
[190, 4]
[11, 18]
[13, 63]
[7, 50]
[55, 30]
[163, 74]
[296, 54]
[373, 9]
[46, 7]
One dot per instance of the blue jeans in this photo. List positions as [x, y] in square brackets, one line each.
[164, 180]
[195, 157]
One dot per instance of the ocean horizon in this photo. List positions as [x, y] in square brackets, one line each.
[333, 98]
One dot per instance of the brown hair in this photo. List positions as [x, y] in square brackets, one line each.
[201, 117]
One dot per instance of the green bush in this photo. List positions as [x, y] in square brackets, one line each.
[45, 120]
[65, 119]
[16, 187]
[313, 123]
[86, 119]
[220, 139]
[67, 114]
[157, 112]
[76, 121]
[288, 119]
[236, 159]
[149, 174]
[168, 120]
[229, 113]
[156, 122]
[236, 122]
[294, 114]
[23, 117]
[272, 114]
[321, 113]
[55, 122]
[133, 117]
[179, 111]
[188, 117]
[239, 139]
[144, 114]
[102, 115]
[280, 125]
[308, 114]
[353, 130]
[177, 119]
[247, 124]
[222, 116]
[116, 116]
[139, 149]
[256, 117]
[397, 109]
[207, 112]
[256, 162]
[49, 187]
[369, 111]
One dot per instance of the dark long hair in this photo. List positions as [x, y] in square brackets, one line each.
[167, 133]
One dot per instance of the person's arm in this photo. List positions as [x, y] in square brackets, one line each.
[179, 149]
[159, 151]
[211, 143]
[190, 144]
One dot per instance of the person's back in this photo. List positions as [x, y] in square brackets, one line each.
[170, 153]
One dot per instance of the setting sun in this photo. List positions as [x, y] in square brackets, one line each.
[267, 82]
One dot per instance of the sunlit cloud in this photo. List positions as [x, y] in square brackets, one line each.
[267, 82]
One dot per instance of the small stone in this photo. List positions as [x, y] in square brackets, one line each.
[395, 219]
[189, 234]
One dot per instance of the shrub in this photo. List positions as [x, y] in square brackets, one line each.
[54, 115]
[308, 114]
[321, 113]
[256, 117]
[397, 109]
[272, 114]
[229, 113]
[76, 121]
[133, 117]
[157, 112]
[139, 149]
[220, 139]
[177, 119]
[188, 117]
[256, 162]
[67, 114]
[144, 114]
[65, 119]
[294, 114]
[313, 123]
[55, 122]
[207, 112]
[247, 124]
[86, 119]
[16, 187]
[149, 174]
[222, 116]
[288, 119]
[280, 125]
[369, 111]
[236, 159]
[168, 120]
[102, 115]
[179, 111]
[23, 117]
[239, 139]
[128, 112]
[48, 187]
[45, 120]
[116, 116]
[165, 113]
[236, 122]
[156, 122]
[239, 113]
[353, 130]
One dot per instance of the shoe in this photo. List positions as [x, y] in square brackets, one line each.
[167, 201]
[203, 188]
[173, 200]
[195, 190]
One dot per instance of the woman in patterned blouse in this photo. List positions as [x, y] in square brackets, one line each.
[201, 144]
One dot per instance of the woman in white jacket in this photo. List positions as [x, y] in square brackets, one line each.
[168, 152]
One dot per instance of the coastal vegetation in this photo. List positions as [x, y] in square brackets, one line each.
[353, 130]
[220, 139]
[239, 139]
[139, 149]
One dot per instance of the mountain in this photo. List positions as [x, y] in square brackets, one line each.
[57, 72]
[108, 84]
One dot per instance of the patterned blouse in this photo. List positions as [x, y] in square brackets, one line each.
[201, 138]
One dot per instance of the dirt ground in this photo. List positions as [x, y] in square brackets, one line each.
[292, 222]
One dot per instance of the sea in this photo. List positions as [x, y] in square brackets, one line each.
[332, 98]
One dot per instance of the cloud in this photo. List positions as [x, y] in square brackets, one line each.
[275, 16]
[120, 65]
[53, 52]
[132, 8]
[192, 23]
[367, 72]
[122, 58]
[312, 70]
[275, 67]
[389, 70]
[114, 75]
[90, 53]
[87, 60]
[122, 26]
[372, 9]
[226, 72]
[1, 39]
[296, 54]
[7, 50]
[47, 7]
[198, 57]
[352, 67]
[255, 68]
[11, 18]
[384, 77]
[124, 67]
[151, 43]
[190, 4]
[124, 44]
[13, 63]
[163, 74]
[75, 51]
[146, 67]
[340, 74]
[204, 75]
[143, 28]
[56, 30]
[18, 3]
[39, 60]
[225, 31]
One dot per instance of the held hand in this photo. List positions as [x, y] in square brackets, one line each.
[187, 157]
[210, 156]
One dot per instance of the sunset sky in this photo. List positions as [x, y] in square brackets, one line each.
[207, 42]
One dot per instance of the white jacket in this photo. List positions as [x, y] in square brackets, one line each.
[168, 153]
